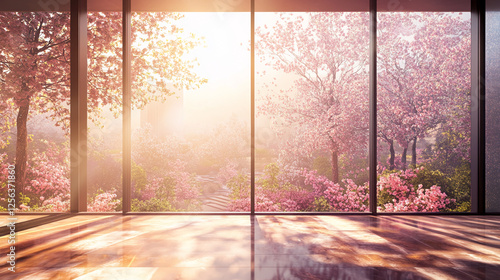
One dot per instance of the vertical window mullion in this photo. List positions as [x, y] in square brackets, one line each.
[127, 109]
[373, 107]
[478, 111]
[252, 109]
[78, 117]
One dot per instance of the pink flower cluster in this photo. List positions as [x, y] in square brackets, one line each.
[59, 203]
[402, 196]
[185, 188]
[262, 204]
[103, 202]
[406, 198]
[347, 198]
[272, 194]
[150, 189]
[48, 172]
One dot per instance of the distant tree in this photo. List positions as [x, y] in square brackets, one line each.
[327, 109]
[423, 76]
[423, 79]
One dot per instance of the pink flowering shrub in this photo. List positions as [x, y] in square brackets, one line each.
[262, 204]
[272, 193]
[23, 207]
[151, 187]
[103, 202]
[59, 203]
[395, 193]
[186, 187]
[176, 190]
[47, 178]
[347, 197]
[286, 201]
[48, 172]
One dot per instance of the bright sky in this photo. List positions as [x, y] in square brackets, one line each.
[225, 62]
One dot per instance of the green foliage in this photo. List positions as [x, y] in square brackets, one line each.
[119, 205]
[270, 179]
[166, 190]
[384, 197]
[444, 155]
[321, 204]
[139, 179]
[462, 207]
[386, 172]
[23, 199]
[323, 166]
[460, 187]
[428, 178]
[152, 205]
[239, 186]
[91, 197]
[447, 158]
[354, 169]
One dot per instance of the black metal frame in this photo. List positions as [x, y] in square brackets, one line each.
[372, 147]
[79, 116]
[478, 203]
[127, 107]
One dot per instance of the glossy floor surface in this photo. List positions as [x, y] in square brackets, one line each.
[262, 247]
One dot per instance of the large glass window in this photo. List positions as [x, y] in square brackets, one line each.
[34, 105]
[104, 107]
[191, 107]
[312, 113]
[424, 108]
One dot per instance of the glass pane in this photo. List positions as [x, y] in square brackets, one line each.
[34, 108]
[104, 91]
[191, 109]
[492, 106]
[312, 93]
[423, 116]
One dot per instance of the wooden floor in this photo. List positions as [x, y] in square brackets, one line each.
[263, 247]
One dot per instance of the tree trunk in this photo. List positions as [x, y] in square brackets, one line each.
[414, 153]
[403, 158]
[22, 147]
[391, 160]
[335, 167]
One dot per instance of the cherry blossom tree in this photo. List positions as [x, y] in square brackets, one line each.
[423, 76]
[327, 107]
[35, 65]
[424, 72]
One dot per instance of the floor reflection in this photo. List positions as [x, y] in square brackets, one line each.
[259, 247]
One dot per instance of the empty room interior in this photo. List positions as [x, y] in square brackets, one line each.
[250, 139]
